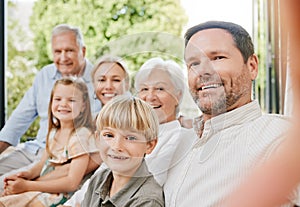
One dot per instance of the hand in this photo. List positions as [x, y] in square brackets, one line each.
[15, 186]
[24, 175]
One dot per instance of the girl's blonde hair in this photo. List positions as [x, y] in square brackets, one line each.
[84, 119]
[129, 113]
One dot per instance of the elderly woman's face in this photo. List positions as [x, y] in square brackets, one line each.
[158, 90]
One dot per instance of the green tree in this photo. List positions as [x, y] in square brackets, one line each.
[105, 24]
[20, 69]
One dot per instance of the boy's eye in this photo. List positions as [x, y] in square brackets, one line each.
[131, 138]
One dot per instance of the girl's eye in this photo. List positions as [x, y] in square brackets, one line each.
[117, 80]
[131, 138]
[56, 99]
[101, 80]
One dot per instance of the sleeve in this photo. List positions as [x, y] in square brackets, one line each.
[79, 195]
[80, 143]
[22, 116]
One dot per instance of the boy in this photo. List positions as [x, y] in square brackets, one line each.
[127, 128]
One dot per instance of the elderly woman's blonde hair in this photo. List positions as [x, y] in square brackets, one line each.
[129, 113]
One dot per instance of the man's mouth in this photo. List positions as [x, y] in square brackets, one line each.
[210, 86]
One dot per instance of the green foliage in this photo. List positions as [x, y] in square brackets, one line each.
[135, 30]
[103, 22]
[20, 69]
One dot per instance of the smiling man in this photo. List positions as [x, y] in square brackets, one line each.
[69, 59]
[233, 134]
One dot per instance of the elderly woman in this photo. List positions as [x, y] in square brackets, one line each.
[161, 83]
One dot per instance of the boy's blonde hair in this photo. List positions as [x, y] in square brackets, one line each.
[129, 113]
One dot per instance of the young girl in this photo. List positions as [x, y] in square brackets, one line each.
[127, 128]
[69, 140]
[110, 78]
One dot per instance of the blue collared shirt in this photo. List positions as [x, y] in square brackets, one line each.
[35, 104]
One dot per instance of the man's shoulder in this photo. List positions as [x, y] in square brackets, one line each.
[48, 71]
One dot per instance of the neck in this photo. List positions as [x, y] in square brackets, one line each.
[118, 183]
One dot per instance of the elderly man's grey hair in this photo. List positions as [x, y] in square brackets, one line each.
[62, 28]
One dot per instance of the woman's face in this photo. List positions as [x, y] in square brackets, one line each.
[158, 90]
[109, 81]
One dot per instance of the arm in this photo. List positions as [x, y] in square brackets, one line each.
[20, 119]
[67, 183]
[3, 146]
[62, 171]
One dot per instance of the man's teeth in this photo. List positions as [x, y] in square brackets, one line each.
[211, 86]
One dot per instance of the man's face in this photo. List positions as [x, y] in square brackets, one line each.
[67, 55]
[219, 80]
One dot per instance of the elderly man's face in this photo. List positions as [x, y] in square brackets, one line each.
[67, 54]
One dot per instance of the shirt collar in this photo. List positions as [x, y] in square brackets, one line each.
[237, 116]
[86, 75]
[128, 190]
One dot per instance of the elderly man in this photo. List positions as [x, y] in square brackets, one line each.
[69, 60]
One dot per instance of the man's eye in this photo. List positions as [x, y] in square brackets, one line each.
[107, 135]
[219, 57]
[144, 89]
[193, 64]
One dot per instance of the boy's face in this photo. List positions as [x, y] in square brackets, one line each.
[123, 150]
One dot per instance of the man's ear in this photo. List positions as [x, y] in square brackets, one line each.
[150, 145]
[253, 66]
[83, 51]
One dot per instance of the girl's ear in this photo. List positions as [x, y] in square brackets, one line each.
[150, 145]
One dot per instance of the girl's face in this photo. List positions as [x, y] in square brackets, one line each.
[67, 103]
[109, 81]
[123, 150]
[158, 90]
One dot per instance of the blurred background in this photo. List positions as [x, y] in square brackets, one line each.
[137, 30]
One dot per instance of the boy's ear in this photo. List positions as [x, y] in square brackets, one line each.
[150, 145]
